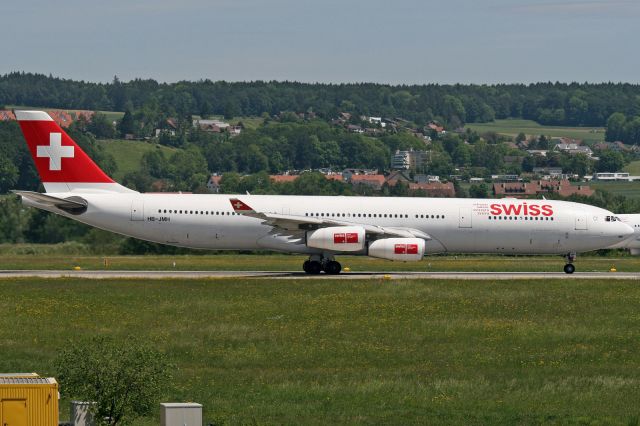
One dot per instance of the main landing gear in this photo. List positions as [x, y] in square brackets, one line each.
[569, 268]
[316, 264]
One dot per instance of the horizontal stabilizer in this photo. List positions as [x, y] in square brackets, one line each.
[69, 204]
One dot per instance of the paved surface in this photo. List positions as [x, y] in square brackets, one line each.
[302, 275]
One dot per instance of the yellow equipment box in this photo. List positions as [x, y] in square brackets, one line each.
[28, 400]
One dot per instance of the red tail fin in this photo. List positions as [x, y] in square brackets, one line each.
[63, 166]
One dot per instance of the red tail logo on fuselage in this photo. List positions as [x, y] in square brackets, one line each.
[523, 209]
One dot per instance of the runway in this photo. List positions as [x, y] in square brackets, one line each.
[296, 275]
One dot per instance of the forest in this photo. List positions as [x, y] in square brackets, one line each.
[572, 104]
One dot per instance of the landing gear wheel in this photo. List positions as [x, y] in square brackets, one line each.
[569, 268]
[312, 267]
[332, 267]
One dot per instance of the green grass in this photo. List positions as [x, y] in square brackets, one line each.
[129, 153]
[248, 122]
[632, 168]
[46, 257]
[345, 352]
[512, 127]
[627, 189]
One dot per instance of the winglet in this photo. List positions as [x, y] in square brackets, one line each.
[240, 207]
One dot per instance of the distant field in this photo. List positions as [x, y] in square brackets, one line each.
[345, 352]
[45, 258]
[248, 122]
[512, 127]
[633, 168]
[129, 153]
[627, 189]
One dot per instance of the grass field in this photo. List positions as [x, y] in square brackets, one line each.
[632, 168]
[281, 262]
[129, 153]
[345, 352]
[512, 127]
[627, 189]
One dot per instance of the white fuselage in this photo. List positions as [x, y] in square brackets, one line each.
[454, 225]
[632, 242]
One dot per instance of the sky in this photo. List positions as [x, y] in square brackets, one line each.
[393, 41]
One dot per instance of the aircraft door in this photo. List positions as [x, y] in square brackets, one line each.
[581, 221]
[464, 219]
[137, 209]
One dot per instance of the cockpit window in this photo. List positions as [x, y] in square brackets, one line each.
[612, 219]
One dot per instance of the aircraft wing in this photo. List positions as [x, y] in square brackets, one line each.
[295, 225]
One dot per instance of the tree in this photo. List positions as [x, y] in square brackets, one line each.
[615, 127]
[126, 125]
[124, 378]
[101, 126]
[610, 161]
[478, 190]
[632, 131]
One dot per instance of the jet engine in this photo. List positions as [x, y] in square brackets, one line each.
[337, 238]
[407, 249]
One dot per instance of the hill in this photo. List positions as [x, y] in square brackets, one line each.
[129, 153]
[512, 127]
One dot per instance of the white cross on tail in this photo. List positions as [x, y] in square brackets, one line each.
[55, 151]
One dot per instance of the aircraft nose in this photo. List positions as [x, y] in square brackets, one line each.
[625, 230]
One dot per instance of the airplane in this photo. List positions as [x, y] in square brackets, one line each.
[400, 229]
[632, 243]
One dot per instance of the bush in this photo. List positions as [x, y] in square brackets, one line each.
[125, 378]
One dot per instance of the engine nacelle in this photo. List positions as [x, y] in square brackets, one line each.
[337, 238]
[407, 249]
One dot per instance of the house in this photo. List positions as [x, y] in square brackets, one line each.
[373, 181]
[616, 176]
[7, 115]
[398, 176]
[613, 146]
[400, 160]
[574, 148]
[63, 118]
[435, 127]
[168, 127]
[354, 128]
[213, 126]
[376, 120]
[372, 131]
[539, 152]
[540, 187]
[347, 173]
[515, 189]
[283, 178]
[435, 189]
[213, 185]
[234, 130]
[82, 115]
[334, 176]
[505, 178]
[410, 160]
[549, 172]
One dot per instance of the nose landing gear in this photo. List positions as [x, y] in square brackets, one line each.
[569, 268]
[316, 264]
